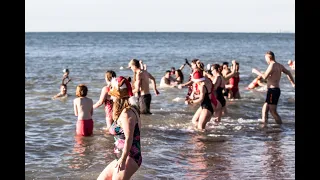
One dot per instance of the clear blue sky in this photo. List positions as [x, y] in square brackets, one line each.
[160, 15]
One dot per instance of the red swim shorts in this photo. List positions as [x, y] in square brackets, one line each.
[85, 127]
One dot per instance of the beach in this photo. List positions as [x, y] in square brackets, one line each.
[238, 148]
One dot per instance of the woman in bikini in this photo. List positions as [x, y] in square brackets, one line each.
[105, 98]
[126, 130]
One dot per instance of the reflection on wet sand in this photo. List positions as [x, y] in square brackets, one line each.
[207, 159]
[273, 158]
[80, 153]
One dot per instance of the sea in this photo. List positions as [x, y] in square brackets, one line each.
[237, 148]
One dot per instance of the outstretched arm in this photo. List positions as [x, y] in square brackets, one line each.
[182, 66]
[185, 84]
[102, 98]
[154, 85]
[264, 75]
[289, 75]
[57, 96]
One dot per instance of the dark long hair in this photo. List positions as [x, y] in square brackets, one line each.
[180, 74]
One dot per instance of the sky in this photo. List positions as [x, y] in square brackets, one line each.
[160, 16]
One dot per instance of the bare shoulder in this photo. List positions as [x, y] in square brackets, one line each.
[126, 113]
[129, 113]
[281, 66]
[87, 100]
[76, 100]
[273, 64]
[105, 89]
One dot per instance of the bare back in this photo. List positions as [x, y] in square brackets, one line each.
[83, 108]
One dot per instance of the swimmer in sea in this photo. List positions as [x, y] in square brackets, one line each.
[257, 82]
[63, 85]
[62, 93]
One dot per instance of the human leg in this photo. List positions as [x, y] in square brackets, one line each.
[106, 174]
[130, 168]
[274, 113]
[144, 103]
[265, 111]
[217, 111]
[204, 117]
[196, 116]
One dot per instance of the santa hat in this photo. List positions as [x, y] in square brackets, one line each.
[197, 77]
[121, 87]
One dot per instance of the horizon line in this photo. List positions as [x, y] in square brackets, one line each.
[278, 32]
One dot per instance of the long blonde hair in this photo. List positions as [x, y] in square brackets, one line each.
[119, 105]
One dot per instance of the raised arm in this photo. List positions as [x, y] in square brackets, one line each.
[211, 77]
[64, 78]
[102, 98]
[142, 66]
[232, 73]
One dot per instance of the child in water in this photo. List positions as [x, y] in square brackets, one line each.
[63, 86]
[84, 110]
[65, 76]
[62, 93]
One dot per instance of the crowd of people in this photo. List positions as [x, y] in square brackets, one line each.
[126, 98]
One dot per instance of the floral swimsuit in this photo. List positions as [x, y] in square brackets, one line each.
[119, 137]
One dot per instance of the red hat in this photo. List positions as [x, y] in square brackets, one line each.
[121, 88]
[197, 77]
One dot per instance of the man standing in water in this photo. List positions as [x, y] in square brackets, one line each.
[141, 86]
[273, 74]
